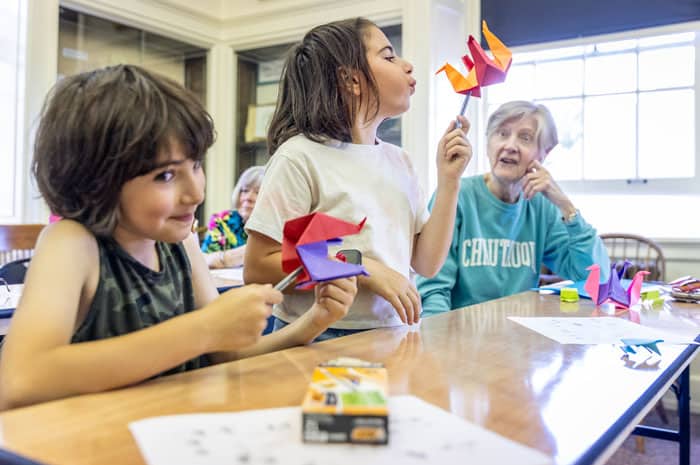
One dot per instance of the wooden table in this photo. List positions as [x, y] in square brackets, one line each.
[575, 403]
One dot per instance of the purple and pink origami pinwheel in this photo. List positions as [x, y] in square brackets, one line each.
[612, 290]
[305, 249]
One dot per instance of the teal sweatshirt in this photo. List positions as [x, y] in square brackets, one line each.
[497, 249]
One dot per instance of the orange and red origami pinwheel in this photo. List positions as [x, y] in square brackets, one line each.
[483, 71]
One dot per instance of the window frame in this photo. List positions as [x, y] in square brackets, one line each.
[660, 186]
[16, 143]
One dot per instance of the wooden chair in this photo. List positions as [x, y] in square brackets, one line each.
[643, 253]
[17, 241]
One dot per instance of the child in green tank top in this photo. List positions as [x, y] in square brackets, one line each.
[118, 291]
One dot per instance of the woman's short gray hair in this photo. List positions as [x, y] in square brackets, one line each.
[546, 134]
[249, 179]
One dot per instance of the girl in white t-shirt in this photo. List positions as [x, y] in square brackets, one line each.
[338, 84]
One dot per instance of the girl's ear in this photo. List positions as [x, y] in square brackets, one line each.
[350, 80]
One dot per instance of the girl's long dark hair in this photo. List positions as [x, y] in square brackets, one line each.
[314, 96]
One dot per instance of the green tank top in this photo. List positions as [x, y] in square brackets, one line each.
[130, 296]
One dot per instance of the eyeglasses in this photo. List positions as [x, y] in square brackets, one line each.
[5, 292]
[9, 297]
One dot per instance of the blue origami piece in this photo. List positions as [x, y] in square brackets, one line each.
[648, 344]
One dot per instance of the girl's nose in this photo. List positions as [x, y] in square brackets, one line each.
[407, 66]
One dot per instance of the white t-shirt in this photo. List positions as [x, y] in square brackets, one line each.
[349, 182]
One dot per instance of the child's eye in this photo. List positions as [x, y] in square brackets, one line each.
[390, 58]
[165, 176]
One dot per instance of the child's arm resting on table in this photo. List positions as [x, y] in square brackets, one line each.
[432, 244]
[333, 299]
[38, 361]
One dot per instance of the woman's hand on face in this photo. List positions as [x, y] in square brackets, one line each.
[397, 290]
[454, 152]
[538, 179]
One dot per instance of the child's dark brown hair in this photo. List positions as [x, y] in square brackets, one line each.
[313, 97]
[100, 129]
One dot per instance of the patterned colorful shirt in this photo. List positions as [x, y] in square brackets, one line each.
[225, 232]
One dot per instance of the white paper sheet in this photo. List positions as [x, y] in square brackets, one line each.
[10, 299]
[419, 433]
[593, 330]
[234, 274]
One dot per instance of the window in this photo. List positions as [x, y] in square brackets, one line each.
[625, 110]
[12, 21]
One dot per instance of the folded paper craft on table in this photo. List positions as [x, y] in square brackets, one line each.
[612, 290]
[305, 244]
[483, 70]
[628, 345]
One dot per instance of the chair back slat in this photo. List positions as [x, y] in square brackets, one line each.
[642, 252]
[17, 241]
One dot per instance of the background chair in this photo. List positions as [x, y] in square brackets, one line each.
[643, 253]
[17, 241]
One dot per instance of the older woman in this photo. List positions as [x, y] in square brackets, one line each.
[224, 244]
[512, 219]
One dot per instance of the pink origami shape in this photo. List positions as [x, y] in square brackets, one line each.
[483, 70]
[612, 290]
[305, 243]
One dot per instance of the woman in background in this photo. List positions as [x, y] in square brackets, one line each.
[512, 219]
[224, 244]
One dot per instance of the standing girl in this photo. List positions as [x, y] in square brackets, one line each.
[338, 84]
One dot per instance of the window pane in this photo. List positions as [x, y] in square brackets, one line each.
[611, 73]
[519, 85]
[666, 67]
[609, 124]
[666, 134]
[10, 94]
[565, 161]
[552, 54]
[559, 78]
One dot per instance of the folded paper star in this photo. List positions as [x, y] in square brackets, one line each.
[612, 290]
[483, 70]
[305, 244]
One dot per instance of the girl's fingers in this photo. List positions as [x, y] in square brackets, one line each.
[464, 122]
[398, 306]
[408, 305]
[415, 300]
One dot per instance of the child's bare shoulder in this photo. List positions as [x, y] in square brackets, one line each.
[69, 235]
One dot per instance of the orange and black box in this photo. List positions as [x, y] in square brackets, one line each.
[346, 402]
